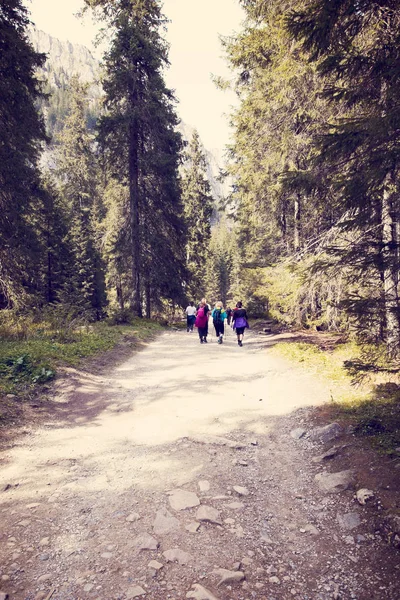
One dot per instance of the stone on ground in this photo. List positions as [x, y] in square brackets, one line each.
[132, 517]
[228, 576]
[192, 527]
[177, 555]
[235, 505]
[200, 593]
[145, 542]
[331, 453]
[298, 433]
[241, 491]
[217, 440]
[181, 499]
[363, 495]
[327, 433]
[208, 514]
[165, 522]
[333, 483]
[349, 520]
[134, 592]
[204, 485]
[154, 567]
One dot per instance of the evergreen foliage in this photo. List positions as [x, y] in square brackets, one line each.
[198, 207]
[357, 47]
[221, 263]
[21, 135]
[78, 174]
[315, 157]
[141, 148]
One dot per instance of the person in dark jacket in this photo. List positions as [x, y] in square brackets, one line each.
[240, 323]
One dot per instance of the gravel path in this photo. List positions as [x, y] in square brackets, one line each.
[178, 475]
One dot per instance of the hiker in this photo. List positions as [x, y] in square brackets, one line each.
[201, 321]
[190, 316]
[218, 316]
[240, 323]
[228, 315]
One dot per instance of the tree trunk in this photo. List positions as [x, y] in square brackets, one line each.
[120, 294]
[283, 225]
[148, 300]
[134, 216]
[49, 268]
[297, 223]
[391, 299]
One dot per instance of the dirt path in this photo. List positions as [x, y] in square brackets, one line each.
[91, 497]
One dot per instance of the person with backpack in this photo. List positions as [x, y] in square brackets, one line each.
[229, 315]
[190, 317]
[201, 321]
[240, 322]
[218, 316]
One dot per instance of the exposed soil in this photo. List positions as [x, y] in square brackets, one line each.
[82, 485]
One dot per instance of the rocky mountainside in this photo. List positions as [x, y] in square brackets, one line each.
[66, 59]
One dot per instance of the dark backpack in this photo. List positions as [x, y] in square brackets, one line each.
[217, 316]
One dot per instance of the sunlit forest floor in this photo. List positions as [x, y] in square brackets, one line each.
[208, 460]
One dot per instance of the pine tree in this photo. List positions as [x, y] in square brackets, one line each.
[115, 245]
[78, 174]
[221, 262]
[198, 207]
[275, 125]
[140, 144]
[356, 44]
[21, 135]
[56, 254]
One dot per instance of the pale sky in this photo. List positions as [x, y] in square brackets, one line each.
[195, 53]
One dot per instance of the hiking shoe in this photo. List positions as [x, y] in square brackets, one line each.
[201, 340]
[205, 340]
[240, 343]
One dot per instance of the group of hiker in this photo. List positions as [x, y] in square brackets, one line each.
[199, 317]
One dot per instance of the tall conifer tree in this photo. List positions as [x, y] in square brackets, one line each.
[79, 182]
[21, 134]
[141, 146]
[198, 205]
[357, 46]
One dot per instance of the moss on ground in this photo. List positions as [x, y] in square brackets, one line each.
[25, 363]
[373, 406]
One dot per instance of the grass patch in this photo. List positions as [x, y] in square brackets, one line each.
[376, 417]
[329, 364]
[373, 408]
[27, 362]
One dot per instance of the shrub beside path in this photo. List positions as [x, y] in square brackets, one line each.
[193, 471]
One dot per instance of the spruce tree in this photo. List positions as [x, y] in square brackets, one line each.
[78, 174]
[140, 145]
[21, 135]
[198, 207]
[275, 124]
[356, 44]
[221, 262]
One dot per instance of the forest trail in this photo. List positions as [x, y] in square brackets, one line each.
[186, 456]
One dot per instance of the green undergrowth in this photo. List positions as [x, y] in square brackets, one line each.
[27, 362]
[373, 406]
